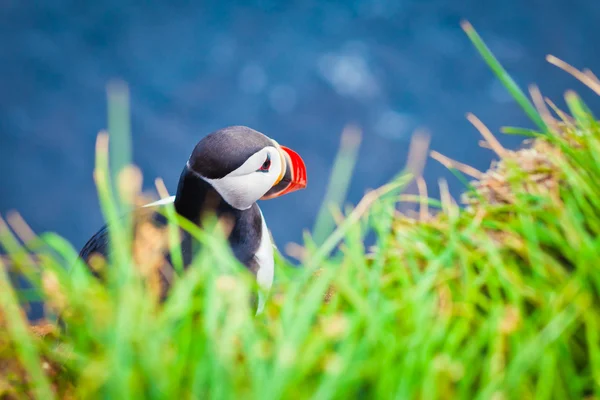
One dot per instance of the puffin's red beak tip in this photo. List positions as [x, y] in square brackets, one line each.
[299, 177]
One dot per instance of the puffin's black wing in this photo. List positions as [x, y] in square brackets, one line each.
[99, 242]
[244, 238]
[96, 244]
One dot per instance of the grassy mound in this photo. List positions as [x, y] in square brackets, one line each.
[498, 299]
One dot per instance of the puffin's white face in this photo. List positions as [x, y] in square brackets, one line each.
[253, 179]
[244, 166]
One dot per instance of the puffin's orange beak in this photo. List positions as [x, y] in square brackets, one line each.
[293, 177]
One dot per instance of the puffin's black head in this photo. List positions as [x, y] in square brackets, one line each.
[244, 165]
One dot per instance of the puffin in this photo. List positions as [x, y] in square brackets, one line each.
[228, 171]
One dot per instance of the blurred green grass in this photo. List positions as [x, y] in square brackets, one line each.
[496, 300]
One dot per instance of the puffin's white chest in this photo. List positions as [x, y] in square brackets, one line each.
[264, 258]
[266, 265]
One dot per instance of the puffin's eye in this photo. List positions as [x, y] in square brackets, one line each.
[266, 165]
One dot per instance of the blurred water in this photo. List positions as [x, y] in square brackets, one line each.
[297, 71]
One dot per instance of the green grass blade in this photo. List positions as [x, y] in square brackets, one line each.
[119, 129]
[173, 229]
[119, 240]
[504, 77]
[339, 182]
[510, 130]
[332, 241]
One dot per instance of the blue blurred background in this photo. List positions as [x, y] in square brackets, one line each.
[298, 71]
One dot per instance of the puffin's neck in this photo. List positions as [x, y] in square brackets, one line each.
[195, 197]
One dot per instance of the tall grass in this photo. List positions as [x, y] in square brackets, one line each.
[496, 300]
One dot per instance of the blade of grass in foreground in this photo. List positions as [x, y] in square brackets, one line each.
[108, 204]
[173, 228]
[17, 327]
[339, 181]
[503, 76]
[120, 134]
[583, 117]
[510, 130]
[339, 234]
[120, 272]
